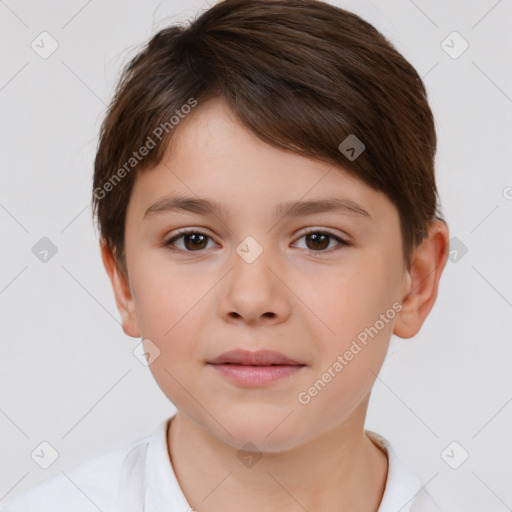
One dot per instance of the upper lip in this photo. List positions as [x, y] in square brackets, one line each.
[259, 358]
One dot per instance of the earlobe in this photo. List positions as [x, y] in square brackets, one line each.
[122, 292]
[421, 281]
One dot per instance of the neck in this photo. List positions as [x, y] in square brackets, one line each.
[342, 470]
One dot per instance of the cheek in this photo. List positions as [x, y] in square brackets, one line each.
[169, 313]
[166, 297]
[357, 317]
[347, 299]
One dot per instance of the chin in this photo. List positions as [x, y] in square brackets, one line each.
[267, 430]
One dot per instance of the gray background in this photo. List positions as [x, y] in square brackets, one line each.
[67, 372]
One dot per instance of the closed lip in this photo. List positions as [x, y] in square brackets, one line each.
[259, 358]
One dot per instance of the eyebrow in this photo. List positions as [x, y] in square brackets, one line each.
[288, 209]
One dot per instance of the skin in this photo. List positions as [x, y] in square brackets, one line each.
[198, 304]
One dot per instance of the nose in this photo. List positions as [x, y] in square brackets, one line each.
[255, 292]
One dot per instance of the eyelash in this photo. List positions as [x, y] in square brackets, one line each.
[180, 234]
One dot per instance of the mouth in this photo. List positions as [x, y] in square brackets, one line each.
[254, 369]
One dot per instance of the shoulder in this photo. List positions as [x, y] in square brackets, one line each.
[404, 490]
[424, 503]
[88, 487]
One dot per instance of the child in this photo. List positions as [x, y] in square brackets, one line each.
[291, 147]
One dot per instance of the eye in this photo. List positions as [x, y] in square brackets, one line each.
[193, 241]
[318, 241]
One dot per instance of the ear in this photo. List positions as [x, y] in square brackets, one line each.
[122, 292]
[421, 281]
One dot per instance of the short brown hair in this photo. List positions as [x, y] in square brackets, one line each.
[302, 75]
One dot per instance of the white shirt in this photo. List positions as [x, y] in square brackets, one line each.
[140, 478]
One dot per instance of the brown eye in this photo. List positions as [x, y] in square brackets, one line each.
[193, 241]
[319, 241]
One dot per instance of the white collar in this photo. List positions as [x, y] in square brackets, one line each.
[147, 477]
[402, 485]
[147, 480]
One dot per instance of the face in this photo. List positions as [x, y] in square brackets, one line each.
[322, 287]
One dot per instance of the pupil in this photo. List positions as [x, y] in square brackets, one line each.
[315, 237]
[196, 239]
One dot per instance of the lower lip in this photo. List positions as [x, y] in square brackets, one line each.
[254, 376]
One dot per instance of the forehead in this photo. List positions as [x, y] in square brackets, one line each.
[213, 155]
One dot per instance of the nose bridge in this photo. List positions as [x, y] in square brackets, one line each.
[253, 291]
[251, 260]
